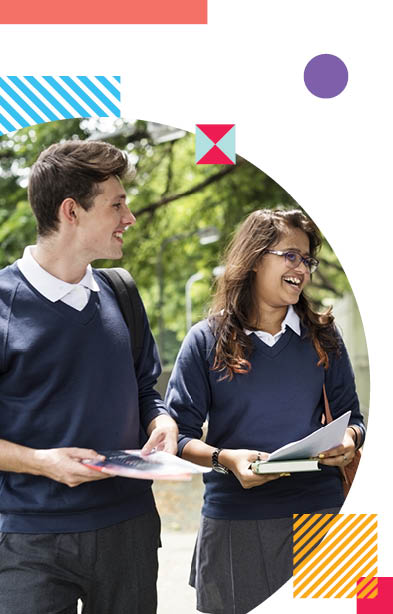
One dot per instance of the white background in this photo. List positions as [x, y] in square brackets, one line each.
[333, 156]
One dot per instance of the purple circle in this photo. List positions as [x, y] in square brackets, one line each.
[326, 75]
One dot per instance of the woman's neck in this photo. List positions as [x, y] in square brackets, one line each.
[270, 320]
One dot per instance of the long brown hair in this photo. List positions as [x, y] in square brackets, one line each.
[235, 299]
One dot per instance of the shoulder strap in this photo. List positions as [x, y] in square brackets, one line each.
[130, 304]
[328, 413]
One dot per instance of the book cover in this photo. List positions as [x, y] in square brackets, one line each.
[285, 466]
[155, 466]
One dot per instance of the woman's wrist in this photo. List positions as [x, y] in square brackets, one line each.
[225, 458]
[356, 435]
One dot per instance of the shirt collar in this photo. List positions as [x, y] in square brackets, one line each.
[291, 319]
[53, 288]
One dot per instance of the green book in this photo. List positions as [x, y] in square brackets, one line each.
[285, 466]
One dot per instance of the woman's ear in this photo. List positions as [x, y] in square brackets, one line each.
[257, 264]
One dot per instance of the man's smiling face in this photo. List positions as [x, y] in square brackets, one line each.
[100, 229]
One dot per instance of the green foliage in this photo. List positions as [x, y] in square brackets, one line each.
[165, 170]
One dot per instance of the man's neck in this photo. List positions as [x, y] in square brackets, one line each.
[53, 255]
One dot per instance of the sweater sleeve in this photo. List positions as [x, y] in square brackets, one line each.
[341, 388]
[8, 288]
[147, 372]
[188, 396]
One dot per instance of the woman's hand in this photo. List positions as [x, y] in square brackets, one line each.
[342, 454]
[239, 461]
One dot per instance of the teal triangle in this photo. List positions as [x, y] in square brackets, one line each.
[227, 144]
[202, 144]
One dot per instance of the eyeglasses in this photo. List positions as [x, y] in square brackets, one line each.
[293, 259]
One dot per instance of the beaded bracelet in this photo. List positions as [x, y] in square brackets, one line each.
[356, 436]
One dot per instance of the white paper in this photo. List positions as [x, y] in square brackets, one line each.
[155, 466]
[172, 462]
[326, 437]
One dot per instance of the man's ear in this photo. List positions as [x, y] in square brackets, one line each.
[68, 211]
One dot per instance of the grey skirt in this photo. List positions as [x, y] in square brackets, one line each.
[237, 564]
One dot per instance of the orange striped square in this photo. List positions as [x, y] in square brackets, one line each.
[331, 553]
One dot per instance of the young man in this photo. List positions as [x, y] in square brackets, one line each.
[69, 389]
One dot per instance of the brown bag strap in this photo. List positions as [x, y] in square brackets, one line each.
[328, 413]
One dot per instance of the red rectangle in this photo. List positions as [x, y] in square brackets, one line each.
[93, 12]
[382, 603]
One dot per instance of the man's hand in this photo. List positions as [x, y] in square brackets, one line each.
[64, 465]
[239, 461]
[342, 454]
[163, 434]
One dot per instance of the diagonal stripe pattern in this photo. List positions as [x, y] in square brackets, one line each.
[29, 100]
[344, 564]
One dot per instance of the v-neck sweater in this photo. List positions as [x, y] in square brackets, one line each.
[67, 378]
[278, 401]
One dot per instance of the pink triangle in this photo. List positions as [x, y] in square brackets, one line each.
[215, 132]
[215, 156]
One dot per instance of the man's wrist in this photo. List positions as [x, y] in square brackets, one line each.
[162, 420]
[36, 461]
[18, 459]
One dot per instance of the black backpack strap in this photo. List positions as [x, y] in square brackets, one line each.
[130, 304]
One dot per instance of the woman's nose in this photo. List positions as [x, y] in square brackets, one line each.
[302, 266]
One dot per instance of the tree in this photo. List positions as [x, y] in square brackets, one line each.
[170, 195]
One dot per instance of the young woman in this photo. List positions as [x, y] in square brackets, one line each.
[255, 370]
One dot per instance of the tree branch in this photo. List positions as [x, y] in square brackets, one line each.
[196, 188]
[325, 284]
[333, 265]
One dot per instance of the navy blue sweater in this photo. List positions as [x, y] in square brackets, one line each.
[278, 401]
[67, 378]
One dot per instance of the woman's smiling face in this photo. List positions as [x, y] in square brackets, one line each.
[277, 282]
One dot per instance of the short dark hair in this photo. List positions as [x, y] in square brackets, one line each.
[72, 169]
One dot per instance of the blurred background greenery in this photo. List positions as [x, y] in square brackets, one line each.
[186, 213]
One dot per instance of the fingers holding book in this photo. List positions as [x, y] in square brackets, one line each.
[341, 455]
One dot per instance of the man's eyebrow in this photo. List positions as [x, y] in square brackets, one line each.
[120, 196]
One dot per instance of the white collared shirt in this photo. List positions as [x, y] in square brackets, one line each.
[291, 319]
[53, 288]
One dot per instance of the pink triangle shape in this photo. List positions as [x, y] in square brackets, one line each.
[215, 132]
[215, 156]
